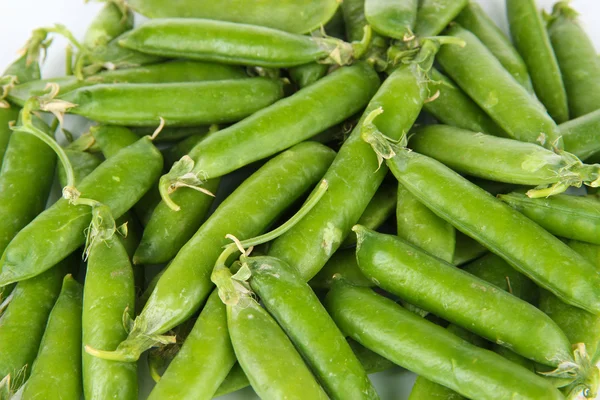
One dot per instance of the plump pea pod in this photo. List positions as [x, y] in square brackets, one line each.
[279, 126]
[483, 78]
[577, 58]
[189, 103]
[307, 74]
[529, 35]
[22, 324]
[7, 115]
[113, 19]
[234, 43]
[419, 226]
[108, 292]
[572, 217]
[430, 350]
[167, 72]
[434, 15]
[118, 183]
[481, 25]
[113, 56]
[342, 263]
[522, 243]
[353, 177]
[504, 160]
[580, 136]
[203, 362]
[467, 249]
[56, 372]
[380, 209]
[289, 15]
[451, 106]
[272, 192]
[83, 164]
[310, 328]
[392, 18]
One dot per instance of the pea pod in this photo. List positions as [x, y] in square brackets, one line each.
[307, 74]
[353, 13]
[25, 69]
[112, 20]
[118, 183]
[289, 15]
[481, 25]
[279, 126]
[483, 78]
[467, 249]
[176, 151]
[7, 115]
[577, 58]
[83, 164]
[56, 372]
[430, 350]
[571, 217]
[434, 15]
[394, 19]
[580, 136]
[113, 56]
[342, 263]
[171, 134]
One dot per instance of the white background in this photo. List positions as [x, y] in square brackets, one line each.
[20, 17]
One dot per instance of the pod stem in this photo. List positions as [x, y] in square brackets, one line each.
[585, 373]
[181, 175]
[385, 148]
[338, 52]
[359, 48]
[7, 82]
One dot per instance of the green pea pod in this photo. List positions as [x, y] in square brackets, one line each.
[451, 106]
[204, 360]
[234, 43]
[503, 160]
[118, 183]
[307, 74]
[342, 263]
[481, 25]
[354, 177]
[392, 18]
[108, 292]
[173, 153]
[7, 116]
[580, 136]
[528, 31]
[83, 164]
[310, 328]
[430, 350]
[22, 324]
[56, 372]
[577, 58]
[171, 134]
[289, 15]
[23, 69]
[571, 217]
[167, 72]
[475, 69]
[113, 20]
[434, 15]
[189, 103]
[113, 56]
[467, 249]
[272, 192]
[421, 227]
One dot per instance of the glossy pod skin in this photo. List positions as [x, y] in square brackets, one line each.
[467, 249]
[204, 360]
[264, 196]
[234, 43]
[56, 372]
[117, 183]
[353, 14]
[434, 15]
[430, 350]
[108, 292]
[112, 20]
[290, 15]
[167, 72]
[267, 355]
[279, 126]
[394, 19]
[343, 263]
[577, 58]
[580, 136]
[7, 115]
[190, 103]
[483, 78]
[529, 35]
[299, 312]
[307, 74]
[113, 56]
[83, 164]
[572, 217]
[481, 25]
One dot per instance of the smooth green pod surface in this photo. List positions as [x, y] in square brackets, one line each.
[434, 15]
[580, 136]
[110, 22]
[392, 18]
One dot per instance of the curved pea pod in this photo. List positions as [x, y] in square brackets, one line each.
[434, 15]
[280, 126]
[83, 164]
[309, 327]
[503, 160]
[572, 217]
[22, 324]
[190, 103]
[419, 226]
[271, 192]
[108, 292]
[118, 183]
[577, 58]
[481, 25]
[528, 31]
[307, 74]
[113, 19]
[56, 371]
[392, 18]
[342, 263]
[475, 69]
[234, 43]
[467, 249]
[167, 72]
[289, 15]
[580, 136]
[430, 350]
[204, 360]
[7, 115]
[451, 106]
